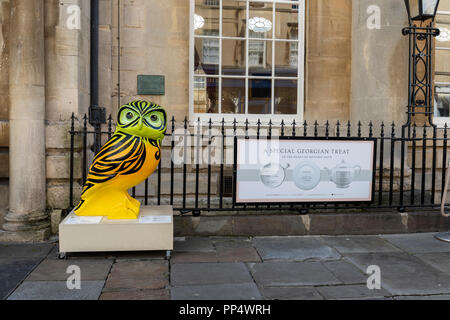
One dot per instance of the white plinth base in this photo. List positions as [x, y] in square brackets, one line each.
[153, 231]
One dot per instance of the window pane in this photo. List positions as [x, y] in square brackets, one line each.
[260, 96]
[234, 17]
[233, 96]
[442, 101]
[206, 94]
[260, 58]
[207, 56]
[207, 17]
[286, 59]
[286, 18]
[260, 19]
[233, 57]
[286, 96]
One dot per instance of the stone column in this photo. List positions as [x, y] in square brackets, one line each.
[27, 219]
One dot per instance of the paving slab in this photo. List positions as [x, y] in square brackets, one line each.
[136, 295]
[290, 293]
[238, 254]
[25, 250]
[13, 271]
[144, 275]
[57, 290]
[294, 249]
[404, 274]
[418, 243]
[139, 255]
[440, 261]
[360, 244]
[194, 245]
[245, 291]
[433, 298]
[193, 257]
[292, 274]
[209, 273]
[351, 292]
[56, 270]
[346, 272]
[232, 242]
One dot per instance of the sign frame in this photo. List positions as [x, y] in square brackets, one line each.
[292, 138]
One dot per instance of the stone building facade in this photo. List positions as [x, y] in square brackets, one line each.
[355, 68]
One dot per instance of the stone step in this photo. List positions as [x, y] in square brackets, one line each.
[350, 223]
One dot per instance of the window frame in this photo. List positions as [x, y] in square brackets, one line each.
[252, 118]
[440, 121]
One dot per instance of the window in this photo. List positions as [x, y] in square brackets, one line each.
[442, 73]
[247, 59]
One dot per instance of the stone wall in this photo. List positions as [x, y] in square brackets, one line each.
[328, 60]
[4, 106]
[166, 52]
[379, 63]
[154, 40]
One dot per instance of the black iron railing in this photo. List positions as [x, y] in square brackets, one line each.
[410, 170]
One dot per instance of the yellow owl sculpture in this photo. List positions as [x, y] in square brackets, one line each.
[131, 155]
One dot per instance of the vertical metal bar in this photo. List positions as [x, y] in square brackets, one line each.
[72, 151]
[258, 133]
[172, 164]
[433, 172]
[110, 120]
[197, 166]
[234, 158]
[374, 174]
[185, 134]
[402, 167]
[424, 164]
[413, 164]
[338, 129]
[85, 133]
[444, 159]
[209, 161]
[380, 190]
[222, 162]
[159, 181]
[392, 168]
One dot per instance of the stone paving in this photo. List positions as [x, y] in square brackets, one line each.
[413, 266]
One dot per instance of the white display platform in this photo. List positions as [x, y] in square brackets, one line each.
[153, 231]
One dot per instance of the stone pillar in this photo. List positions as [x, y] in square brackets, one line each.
[379, 62]
[27, 219]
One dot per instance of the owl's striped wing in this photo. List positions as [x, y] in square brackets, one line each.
[123, 154]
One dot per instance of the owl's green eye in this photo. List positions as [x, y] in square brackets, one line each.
[155, 120]
[128, 117]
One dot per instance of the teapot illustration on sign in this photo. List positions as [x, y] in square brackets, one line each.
[343, 175]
